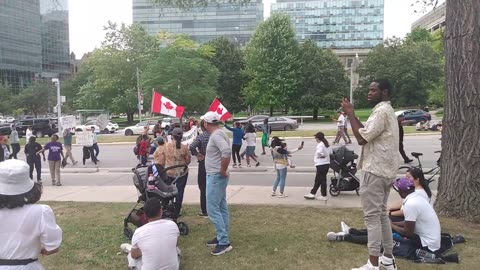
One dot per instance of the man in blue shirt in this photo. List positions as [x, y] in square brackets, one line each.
[237, 143]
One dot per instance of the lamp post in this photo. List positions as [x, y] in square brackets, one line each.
[56, 81]
[352, 67]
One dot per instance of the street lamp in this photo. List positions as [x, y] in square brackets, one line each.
[352, 67]
[56, 81]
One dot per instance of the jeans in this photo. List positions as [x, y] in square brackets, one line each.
[321, 180]
[236, 153]
[281, 177]
[202, 185]
[374, 191]
[217, 206]
[180, 184]
[15, 150]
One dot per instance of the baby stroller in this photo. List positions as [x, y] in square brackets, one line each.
[342, 162]
[166, 191]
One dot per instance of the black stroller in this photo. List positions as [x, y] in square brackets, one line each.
[166, 191]
[342, 162]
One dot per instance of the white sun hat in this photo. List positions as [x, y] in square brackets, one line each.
[15, 177]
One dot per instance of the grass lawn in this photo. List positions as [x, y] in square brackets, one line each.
[263, 237]
[439, 113]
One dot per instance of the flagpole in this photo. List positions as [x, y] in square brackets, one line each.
[138, 96]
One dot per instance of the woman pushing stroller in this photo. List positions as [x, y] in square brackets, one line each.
[280, 158]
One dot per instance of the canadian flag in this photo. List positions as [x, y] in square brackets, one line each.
[220, 110]
[163, 105]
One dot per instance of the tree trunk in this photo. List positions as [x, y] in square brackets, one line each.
[271, 111]
[315, 114]
[459, 185]
[130, 117]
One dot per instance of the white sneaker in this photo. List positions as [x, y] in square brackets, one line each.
[331, 236]
[345, 227]
[273, 194]
[367, 266]
[282, 195]
[126, 247]
[387, 263]
[309, 196]
[322, 198]
[234, 165]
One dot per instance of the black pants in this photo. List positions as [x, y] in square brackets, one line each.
[88, 153]
[96, 150]
[202, 185]
[180, 184]
[37, 164]
[321, 180]
[15, 150]
[236, 153]
[402, 152]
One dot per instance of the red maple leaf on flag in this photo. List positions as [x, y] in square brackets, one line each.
[168, 105]
[220, 111]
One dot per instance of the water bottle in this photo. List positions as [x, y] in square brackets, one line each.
[423, 254]
[151, 182]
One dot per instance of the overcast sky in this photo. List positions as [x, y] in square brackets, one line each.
[88, 17]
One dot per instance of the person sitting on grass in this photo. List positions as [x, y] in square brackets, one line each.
[28, 229]
[420, 126]
[154, 245]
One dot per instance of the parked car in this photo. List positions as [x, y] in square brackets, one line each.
[5, 129]
[41, 127]
[413, 116]
[254, 119]
[138, 128]
[110, 128]
[278, 123]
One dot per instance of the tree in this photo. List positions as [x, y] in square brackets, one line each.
[112, 78]
[459, 186]
[37, 98]
[411, 64]
[183, 73]
[229, 60]
[271, 64]
[322, 79]
[6, 102]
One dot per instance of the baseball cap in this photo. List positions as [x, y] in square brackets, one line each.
[15, 177]
[211, 117]
[177, 132]
[404, 184]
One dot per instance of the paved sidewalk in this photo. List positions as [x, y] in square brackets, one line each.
[250, 195]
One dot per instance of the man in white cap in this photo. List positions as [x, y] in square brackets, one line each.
[28, 229]
[217, 159]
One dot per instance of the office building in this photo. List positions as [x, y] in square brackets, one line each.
[433, 20]
[233, 21]
[34, 41]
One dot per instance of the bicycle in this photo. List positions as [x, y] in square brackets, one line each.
[432, 172]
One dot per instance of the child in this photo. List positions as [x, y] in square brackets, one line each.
[280, 158]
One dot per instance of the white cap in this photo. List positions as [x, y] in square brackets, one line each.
[15, 177]
[210, 117]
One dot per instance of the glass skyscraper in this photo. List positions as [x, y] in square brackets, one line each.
[34, 41]
[336, 24]
[233, 21]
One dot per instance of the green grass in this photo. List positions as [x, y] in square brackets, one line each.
[263, 237]
[439, 113]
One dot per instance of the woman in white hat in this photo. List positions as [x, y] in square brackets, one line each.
[28, 229]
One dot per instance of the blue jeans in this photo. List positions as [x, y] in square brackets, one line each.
[217, 208]
[281, 177]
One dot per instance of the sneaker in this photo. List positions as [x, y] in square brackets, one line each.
[212, 243]
[322, 198]
[126, 247]
[282, 195]
[387, 263]
[240, 165]
[458, 239]
[309, 196]
[221, 249]
[249, 165]
[58, 184]
[54, 182]
[205, 215]
[345, 227]
[234, 165]
[258, 164]
[273, 194]
[263, 153]
[75, 162]
[292, 166]
[331, 236]
[367, 266]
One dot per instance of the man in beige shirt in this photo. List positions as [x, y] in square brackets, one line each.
[379, 163]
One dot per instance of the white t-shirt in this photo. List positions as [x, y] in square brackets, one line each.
[157, 241]
[28, 134]
[320, 151]
[427, 226]
[341, 120]
[419, 125]
[251, 139]
[25, 231]
[422, 193]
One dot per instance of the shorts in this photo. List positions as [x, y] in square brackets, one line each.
[250, 150]
[265, 140]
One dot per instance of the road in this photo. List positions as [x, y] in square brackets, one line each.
[117, 159]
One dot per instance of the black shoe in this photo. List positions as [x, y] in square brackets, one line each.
[212, 243]
[458, 239]
[221, 249]
[408, 161]
[201, 214]
[258, 164]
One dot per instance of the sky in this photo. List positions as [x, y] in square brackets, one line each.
[88, 17]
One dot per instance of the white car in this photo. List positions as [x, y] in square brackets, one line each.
[138, 128]
[110, 128]
[7, 119]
